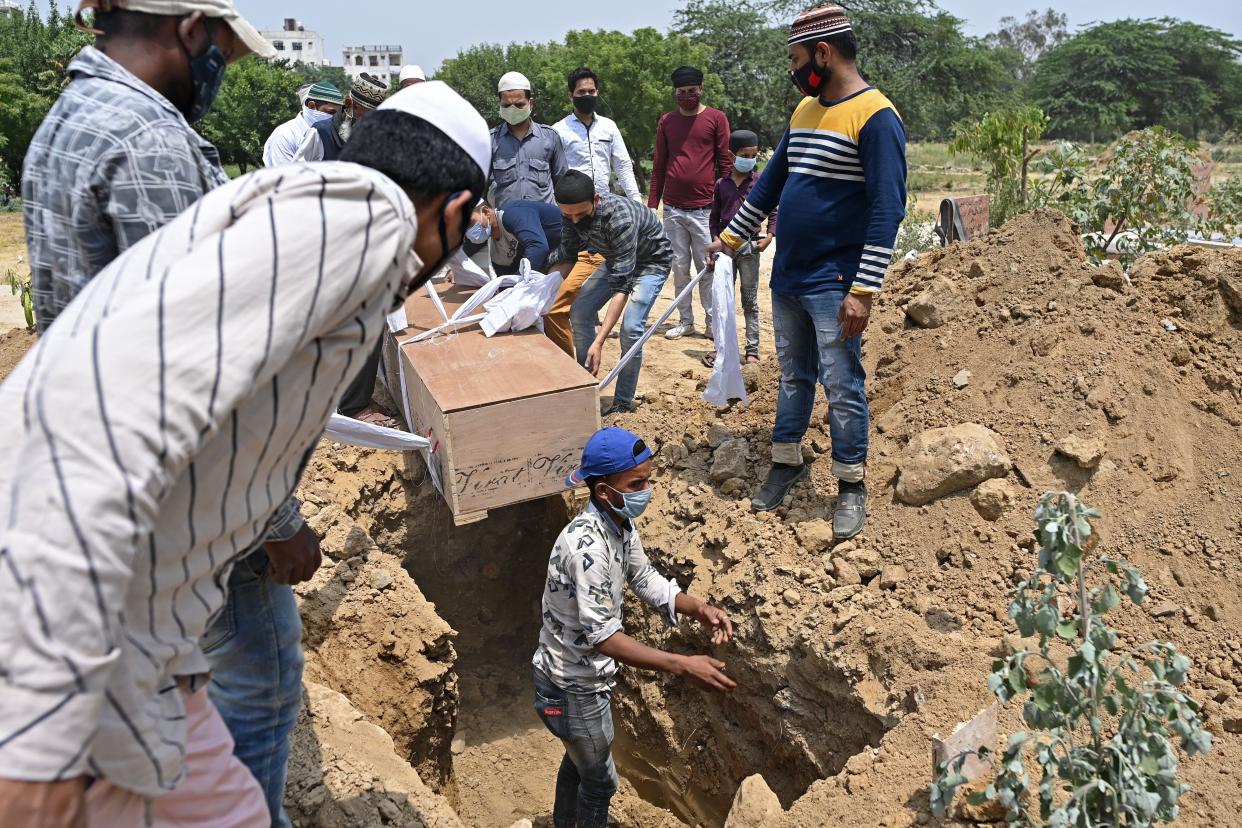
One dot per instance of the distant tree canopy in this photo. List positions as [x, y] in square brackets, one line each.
[1096, 84]
[1130, 74]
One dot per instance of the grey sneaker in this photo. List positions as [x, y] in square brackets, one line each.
[851, 513]
[678, 331]
[780, 482]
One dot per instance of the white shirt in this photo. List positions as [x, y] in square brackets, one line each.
[150, 436]
[282, 144]
[310, 148]
[598, 150]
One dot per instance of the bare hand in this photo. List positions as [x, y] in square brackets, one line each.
[854, 314]
[43, 804]
[717, 247]
[707, 673]
[595, 355]
[764, 243]
[295, 560]
[714, 619]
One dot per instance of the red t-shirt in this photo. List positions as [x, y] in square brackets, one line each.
[691, 152]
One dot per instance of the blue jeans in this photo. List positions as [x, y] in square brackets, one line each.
[594, 295]
[809, 348]
[254, 647]
[587, 778]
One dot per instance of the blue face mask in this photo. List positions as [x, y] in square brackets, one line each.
[744, 165]
[635, 503]
[206, 73]
[478, 234]
[315, 116]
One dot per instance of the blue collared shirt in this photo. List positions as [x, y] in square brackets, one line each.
[525, 170]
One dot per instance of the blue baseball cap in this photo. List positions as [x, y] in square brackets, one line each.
[610, 450]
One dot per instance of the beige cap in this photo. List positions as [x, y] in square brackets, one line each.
[222, 9]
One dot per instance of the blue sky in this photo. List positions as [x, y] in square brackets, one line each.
[431, 30]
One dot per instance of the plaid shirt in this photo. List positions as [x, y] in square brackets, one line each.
[627, 234]
[113, 161]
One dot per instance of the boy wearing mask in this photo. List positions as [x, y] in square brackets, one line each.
[731, 192]
[583, 638]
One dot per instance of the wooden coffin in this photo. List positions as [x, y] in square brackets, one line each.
[507, 416]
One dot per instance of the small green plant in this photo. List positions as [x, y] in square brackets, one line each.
[1147, 190]
[1224, 209]
[1099, 722]
[20, 286]
[1003, 140]
[917, 232]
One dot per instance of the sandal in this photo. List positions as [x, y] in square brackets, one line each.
[751, 359]
[710, 360]
[373, 416]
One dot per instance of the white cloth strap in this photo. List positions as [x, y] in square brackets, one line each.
[638, 346]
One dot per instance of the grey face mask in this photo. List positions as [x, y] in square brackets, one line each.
[343, 122]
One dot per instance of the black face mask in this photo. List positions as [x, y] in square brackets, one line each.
[427, 272]
[586, 103]
[810, 78]
[586, 222]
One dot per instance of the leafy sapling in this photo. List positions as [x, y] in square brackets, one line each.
[1099, 721]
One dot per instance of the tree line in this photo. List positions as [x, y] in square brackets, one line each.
[1094, 84]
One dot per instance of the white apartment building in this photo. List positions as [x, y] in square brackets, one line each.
[295, 44]
[382, 61]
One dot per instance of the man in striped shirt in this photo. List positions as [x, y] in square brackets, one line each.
[839, 176]
[115, 160]
[157, 427]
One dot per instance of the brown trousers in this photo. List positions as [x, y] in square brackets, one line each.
[556, 323]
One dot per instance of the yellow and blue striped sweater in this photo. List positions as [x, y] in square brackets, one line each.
[839, 178]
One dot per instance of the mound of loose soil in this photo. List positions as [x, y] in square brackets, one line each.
[14, 344]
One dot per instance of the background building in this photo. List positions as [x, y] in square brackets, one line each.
[294, 43]
[10, 8]
[382, 61]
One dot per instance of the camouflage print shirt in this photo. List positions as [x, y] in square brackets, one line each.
[582, 599]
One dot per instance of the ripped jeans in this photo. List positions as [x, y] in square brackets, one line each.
[809, 348]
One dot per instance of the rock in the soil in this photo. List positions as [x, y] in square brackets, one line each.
[936, 305]
[729, 460]
[1087, 452]
[458, 745]
[1165, 609]
[845, 573]
[717, 434]
[522, 823]
[814, 535]
[379, 579]
[754, 805]
[941, 461]
[1110, 276]
[891, 576]
[961, 379]
[866, 561]
[992, 498]
[792, 598]
[1231, 291]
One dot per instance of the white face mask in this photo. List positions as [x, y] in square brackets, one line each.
[515, 115]
[314, 116]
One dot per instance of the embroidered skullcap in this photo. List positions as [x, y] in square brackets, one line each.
[819, 23]
[325, 92]
[368, 90]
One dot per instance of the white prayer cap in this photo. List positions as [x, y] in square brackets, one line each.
[437, 104]
[511, 81]
[411, 71]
